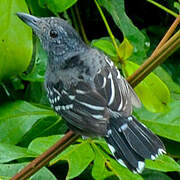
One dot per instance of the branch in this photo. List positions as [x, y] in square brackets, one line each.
[158, 56]
[44, 158]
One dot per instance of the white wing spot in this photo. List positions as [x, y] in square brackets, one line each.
[56, 91]
[51, 93]
[161, 151]
[64, 92]
[104, 82]
[98, 108]
[111, 148]
[78, 91]
[153, 157]
[71, 97]
[100, 117]
[112, 90]
[130, 118]
[119, 75]
[121, 162]
[109, 62]
[124, 127]
[58, 98]
[109, 132]
[121, 103]
[141, 165]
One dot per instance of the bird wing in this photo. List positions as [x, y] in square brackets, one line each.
[84, 109]
[87, 107]
[115, 89]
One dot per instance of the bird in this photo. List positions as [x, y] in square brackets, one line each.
[85, 87]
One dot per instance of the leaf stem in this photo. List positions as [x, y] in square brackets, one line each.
[109, 31]
[163, 8]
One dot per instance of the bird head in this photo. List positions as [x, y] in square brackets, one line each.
[56, 35]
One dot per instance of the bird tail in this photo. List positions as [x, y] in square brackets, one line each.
[131, 143]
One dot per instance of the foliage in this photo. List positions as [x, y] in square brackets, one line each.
[28, 126]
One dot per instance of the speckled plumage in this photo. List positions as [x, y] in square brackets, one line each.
[86, 88]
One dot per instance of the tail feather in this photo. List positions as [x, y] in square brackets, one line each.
[153, 138]
[131, 143]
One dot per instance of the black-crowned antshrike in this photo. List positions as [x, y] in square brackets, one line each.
[86, 88]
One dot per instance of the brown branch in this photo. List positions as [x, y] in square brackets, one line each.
[44, 158]
[162, 46]
[155, 60]
[168, 34]
[70, 137]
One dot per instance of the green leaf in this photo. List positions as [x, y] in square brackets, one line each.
[78, 156]
[105, 44]
[41, 144]
[135, 37]
[35, 92]
[57, 6]
[177, 6]
[17, 118]
[125, 49]
[44, 127]
[154, 175]
[106, 167]
[10, 152]
[163, 163]
[168, 124]
[166, 78]
[153, 93]
[9, 170]
[36, 10]
[15, 39]
[39, 68]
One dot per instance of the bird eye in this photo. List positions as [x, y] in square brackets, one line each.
[53, 33]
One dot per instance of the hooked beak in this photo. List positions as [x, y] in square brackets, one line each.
[29, 20]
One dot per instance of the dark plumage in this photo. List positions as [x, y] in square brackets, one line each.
[85, 87]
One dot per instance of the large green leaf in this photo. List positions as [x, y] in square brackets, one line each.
[36, 10]
[155, 175]
[78, 156]
[117, 10]
[9, 170]
[153, 93]
[105, 44]
[44, 127]
[166, 125]
[57, 6]
[10, 152]
[15, 39]
[166, 78]
[163, 163]
[17, 118]
[38, 71]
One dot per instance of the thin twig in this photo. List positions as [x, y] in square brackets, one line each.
[109, 32]
[163, 8]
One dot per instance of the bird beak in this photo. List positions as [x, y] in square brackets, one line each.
[29, 20]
